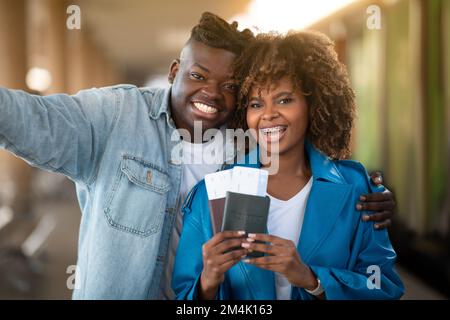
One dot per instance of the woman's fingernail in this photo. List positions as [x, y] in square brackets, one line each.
[245, 245]
[365, 217]
[241, 233]
[247, 260]
[250, 240]
[363, 198]
[377, 226]
[359, 206]
[252, 235]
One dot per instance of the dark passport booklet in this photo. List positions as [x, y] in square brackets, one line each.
[247, 213]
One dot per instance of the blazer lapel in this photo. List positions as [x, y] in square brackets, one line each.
[325, 204]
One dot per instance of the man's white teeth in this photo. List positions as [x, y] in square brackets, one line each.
[273, 130]
[204, 108]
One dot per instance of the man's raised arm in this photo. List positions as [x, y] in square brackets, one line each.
[60, 133]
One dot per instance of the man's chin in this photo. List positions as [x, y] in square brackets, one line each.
[207, 123]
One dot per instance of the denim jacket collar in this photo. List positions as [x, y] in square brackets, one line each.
[160, 104]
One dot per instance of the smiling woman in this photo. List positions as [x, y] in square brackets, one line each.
[277, 113]
[306, 66]
[296, 96]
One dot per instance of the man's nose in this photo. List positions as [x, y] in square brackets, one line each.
[212, 91]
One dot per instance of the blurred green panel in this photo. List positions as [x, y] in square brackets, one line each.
[365, 71]
[404, 167]
[446, 37]
[436, 138]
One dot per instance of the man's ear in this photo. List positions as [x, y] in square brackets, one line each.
[174, 67]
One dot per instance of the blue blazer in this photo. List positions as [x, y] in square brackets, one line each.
[343, 251]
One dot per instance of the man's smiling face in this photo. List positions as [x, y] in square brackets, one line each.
[203, 88]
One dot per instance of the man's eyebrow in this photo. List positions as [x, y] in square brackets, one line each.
[201, 67]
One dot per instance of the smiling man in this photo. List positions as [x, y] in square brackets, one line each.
[116, 144]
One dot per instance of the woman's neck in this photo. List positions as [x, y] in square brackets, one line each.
[292, 163]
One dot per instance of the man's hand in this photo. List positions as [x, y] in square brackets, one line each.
[217, 259]
[382, 203]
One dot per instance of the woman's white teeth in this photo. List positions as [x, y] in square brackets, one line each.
[273, 130]
[204, 108]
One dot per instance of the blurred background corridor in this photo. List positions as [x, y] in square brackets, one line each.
[398, 56]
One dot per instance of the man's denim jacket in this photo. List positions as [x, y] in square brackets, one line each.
[116, 145]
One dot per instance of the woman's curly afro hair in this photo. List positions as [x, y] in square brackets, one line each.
[308, 58]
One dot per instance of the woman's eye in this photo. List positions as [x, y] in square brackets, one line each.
[197, 76]
[254, 105]
[285, 100]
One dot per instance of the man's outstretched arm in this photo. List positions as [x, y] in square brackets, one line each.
[60, 133]
[382, 204]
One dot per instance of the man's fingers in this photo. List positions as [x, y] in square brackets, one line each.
[377, 196]
[383, 225]
[376, 206]
[377, 178]
[378, 217]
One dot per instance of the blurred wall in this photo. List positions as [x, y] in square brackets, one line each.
[14, 173]
[33, 34]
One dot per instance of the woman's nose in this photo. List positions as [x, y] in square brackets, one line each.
[270, 113]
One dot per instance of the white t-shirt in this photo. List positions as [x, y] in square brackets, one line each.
[285, 221]
[198, 160]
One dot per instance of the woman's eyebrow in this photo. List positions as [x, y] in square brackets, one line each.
[283, 93]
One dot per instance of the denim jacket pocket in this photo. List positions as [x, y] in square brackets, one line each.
[137, 181]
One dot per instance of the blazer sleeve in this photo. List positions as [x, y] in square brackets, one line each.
[188, 260]
[372, 277]
[371, 269]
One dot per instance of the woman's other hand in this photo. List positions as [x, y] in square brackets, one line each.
[282, 257]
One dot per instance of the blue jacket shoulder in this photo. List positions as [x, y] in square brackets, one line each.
[356, 174]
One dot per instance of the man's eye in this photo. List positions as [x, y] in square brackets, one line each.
[232, 87]
[197, 76]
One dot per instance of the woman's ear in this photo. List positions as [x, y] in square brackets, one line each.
[174, 67]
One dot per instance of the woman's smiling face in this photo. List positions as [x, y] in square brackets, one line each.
[278, 115]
